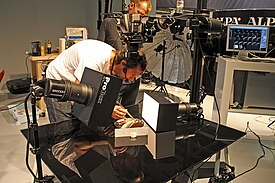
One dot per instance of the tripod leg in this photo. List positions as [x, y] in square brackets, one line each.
[155, 88]
[165, 90]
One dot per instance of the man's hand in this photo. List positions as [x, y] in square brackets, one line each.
[119, 112]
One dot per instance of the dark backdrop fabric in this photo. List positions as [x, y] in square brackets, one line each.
[220, 4]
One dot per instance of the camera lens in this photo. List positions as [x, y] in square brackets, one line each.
[65, 90]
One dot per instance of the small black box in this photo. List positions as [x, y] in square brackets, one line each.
[19, 86]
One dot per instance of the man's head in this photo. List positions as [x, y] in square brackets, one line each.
[129, 68]
[142, 7]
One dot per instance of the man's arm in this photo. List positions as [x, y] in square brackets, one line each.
[118, 112]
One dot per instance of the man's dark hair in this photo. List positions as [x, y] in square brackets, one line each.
[132, 62]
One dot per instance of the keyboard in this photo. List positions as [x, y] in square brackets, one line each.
[267, 59]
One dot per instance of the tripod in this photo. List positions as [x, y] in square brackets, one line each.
[33, 127]
[160, 81]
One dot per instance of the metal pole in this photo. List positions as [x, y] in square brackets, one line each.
[99, 10]
[163, 60]
[36, 146]
[197, 59]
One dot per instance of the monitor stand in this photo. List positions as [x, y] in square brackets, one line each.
[243, 55]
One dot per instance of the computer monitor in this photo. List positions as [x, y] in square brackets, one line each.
[249, 38]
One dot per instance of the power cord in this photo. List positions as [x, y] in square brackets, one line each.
[248, 129]
[215, 98]
[229, 176]
[2, 110]
[269, 52]
[28, 136]
[270, 123]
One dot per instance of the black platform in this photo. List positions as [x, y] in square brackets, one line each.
[96, 166]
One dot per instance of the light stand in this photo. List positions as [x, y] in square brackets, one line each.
[196, 74]
[33, 127]
[160, 81]
[198, 35]
[197, 61]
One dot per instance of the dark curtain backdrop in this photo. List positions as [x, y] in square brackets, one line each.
[220, 4]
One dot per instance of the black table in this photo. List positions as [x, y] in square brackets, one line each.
[98, 164]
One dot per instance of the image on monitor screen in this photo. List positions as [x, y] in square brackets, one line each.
[250, 38]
